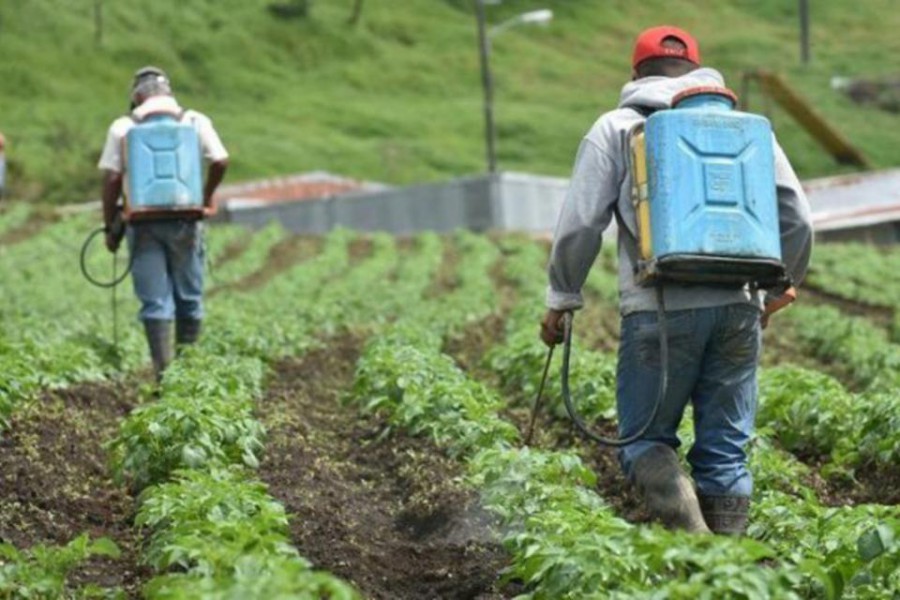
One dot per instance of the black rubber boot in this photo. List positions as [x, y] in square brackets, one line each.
[727, 515]
[159, 337]
[667, 490]
[187, 331]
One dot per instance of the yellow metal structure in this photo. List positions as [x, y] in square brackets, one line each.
[776, 87]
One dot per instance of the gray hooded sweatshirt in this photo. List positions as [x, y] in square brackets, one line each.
[601, 188]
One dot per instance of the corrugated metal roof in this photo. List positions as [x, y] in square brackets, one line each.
[856, 200]
[291, 188]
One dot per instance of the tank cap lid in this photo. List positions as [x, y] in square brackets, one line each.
[705, 89]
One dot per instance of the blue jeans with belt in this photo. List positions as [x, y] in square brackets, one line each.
[168, 268]
[713, 355]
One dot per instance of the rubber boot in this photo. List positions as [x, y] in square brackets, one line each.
[159, 337]
[667, 490]
[727, 515]
[187, 331]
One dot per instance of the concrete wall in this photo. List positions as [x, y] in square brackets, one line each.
[861, 207]
[883, 234]
[461, 203]
[528, 202]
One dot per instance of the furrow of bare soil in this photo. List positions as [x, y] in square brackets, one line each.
[33, 225]
[869, 484]
[360, 248]
[386, 512]
[782, 345]
[234, 249]
[882, 316]
[55, 484]
[282, 256]
[446, 279]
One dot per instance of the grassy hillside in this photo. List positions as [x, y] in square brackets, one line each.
[398, 97]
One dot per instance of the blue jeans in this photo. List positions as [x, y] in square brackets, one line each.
[168, 268]
[713, 354]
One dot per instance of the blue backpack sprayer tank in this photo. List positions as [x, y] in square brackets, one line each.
[704, 197]
[163, 179]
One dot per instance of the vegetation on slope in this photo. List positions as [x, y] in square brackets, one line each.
[397, 97]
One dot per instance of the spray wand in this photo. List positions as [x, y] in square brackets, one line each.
[117, 231]
[566, 393]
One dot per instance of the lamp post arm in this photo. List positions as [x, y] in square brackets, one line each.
[534, 17]
[501, 27]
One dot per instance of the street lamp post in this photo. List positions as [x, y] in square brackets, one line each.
[487, 84]
[539, 17]
[804, 31]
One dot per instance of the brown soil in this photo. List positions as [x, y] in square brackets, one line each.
[883, 316]
[55, 485]
[37, 220]
[446, 279]
[360, 248]
[870, 484]
[385, 512]
[782, 345]
[407, 244]
[233, 250]
[283, 255]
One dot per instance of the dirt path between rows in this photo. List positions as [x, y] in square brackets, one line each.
[36, 222]
[385, 513]
[283, 255]
[55, 484]
[881, 316]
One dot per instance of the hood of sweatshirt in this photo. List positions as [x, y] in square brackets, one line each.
[657, 92]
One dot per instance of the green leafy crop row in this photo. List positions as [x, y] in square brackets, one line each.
[813, 415]
[863, 273]
[40, 572]
[193, 452]
[206, 516]
[55, 335]
[853, 344]
[806, 412]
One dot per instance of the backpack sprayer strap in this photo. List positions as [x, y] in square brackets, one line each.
[178, 115]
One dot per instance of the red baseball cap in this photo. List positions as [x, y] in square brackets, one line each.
[650, 45]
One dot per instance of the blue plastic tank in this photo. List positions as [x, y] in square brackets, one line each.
[164, 168]
[712, 199]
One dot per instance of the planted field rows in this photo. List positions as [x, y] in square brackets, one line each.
[351, 426]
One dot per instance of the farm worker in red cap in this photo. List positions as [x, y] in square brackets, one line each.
[714, 333]
[170, 199]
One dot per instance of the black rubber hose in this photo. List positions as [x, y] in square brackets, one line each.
[83, 263]
[663, 379]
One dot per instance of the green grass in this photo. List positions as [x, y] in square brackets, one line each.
[398, 98]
